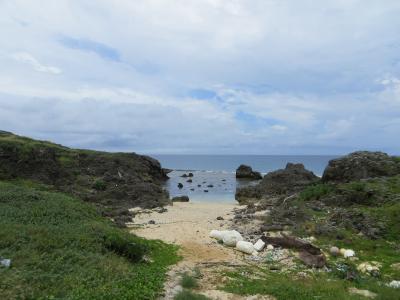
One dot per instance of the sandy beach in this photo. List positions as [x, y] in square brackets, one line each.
[188, 225]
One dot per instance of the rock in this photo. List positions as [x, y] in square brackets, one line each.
[118, 180]
[364, 293]
[192, 189]
[361, 165]
[247, 172]
[217, 234]
[220, 218]
[273, 227]
[259, 245]
[189, 180]
[205, 191]
[286, 181]
[180, 185]
[184, 175]
[199, 185]
[180, 199]
[161, 210]
[190, 174]
[152, 222]
[210, 186]
[5, 262]
[394, 284]
[245, 247]
[334, 251]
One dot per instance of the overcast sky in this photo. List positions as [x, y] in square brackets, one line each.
[203, 76]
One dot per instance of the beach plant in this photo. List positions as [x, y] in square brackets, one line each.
[188, 281]
[62, 248]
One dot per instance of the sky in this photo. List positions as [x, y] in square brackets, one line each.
[203, 76]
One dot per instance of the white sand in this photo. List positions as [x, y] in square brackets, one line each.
[188, 225]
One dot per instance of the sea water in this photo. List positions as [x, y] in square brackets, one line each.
[214, 175]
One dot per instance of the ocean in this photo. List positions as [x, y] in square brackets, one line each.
[214, 175]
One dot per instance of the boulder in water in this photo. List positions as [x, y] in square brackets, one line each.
[244, 171]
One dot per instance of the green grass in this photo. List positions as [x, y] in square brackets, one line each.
[189, 282]
[61, 248]
[317, 286]
[188, 295]
[316, 192]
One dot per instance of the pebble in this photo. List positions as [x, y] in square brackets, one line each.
[334, 251]
[270, 247]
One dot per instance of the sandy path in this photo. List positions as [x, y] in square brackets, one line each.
[188, 225]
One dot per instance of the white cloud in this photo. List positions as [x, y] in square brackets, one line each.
[301, 74]
[27, 58]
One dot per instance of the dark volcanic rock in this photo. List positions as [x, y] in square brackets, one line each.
[180, 185]
[180, 199]
[111, 180]
[361, 165]
[190, 174]
[286, 181]
[244, 171]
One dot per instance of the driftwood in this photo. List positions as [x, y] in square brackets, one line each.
[309, 254]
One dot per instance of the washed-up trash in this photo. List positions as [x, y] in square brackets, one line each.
[371, 268]
[231, 237]
[259, 245]
[334, 251]
[228, 237]
[394, 284]
[348, 253]
[270, 247]
[5, 262]
[245, 247]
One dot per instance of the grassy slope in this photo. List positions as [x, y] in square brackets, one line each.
[333, 285]
[62, 249]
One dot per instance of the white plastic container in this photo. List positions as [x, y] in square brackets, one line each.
[245, 247]
[231, 237]
[259, 245]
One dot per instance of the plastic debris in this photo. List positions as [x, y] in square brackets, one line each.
[5, 262]
[334, 251]
[270, 247]
[228, 237]
[371, 268]
[349, 253]
[394, 284]
[245, 247]
[259, 245]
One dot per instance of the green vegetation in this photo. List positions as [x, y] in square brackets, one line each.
[316, 192]
[99, 185]
[61, 248]
[189, 282]
[189, 295]
[315, 285]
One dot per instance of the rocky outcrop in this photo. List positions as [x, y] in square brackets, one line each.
[247, 172]
[286, 181]
[361, 165]
[180, 199]
[112, 180]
